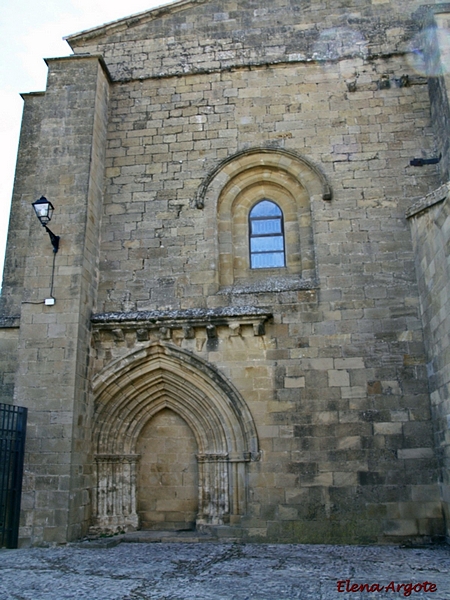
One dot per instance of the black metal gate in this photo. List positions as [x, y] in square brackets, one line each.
[13, 423]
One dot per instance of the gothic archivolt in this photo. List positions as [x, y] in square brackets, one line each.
[130, 391]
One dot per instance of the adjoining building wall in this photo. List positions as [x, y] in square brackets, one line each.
[305, 387]
[436, 56]
[430, 228]
[430, 223]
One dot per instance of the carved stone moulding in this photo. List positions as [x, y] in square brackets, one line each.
[163, 323]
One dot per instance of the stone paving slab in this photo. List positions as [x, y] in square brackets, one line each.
[217, 571]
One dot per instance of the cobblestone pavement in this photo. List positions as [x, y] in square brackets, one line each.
[179, 571]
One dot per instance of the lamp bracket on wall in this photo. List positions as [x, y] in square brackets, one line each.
[53, 238]
[420, 162]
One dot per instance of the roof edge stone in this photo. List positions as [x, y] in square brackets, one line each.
[126, 22]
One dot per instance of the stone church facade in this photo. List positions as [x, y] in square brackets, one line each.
[250, 331]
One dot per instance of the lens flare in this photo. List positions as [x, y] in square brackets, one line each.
[429, 52]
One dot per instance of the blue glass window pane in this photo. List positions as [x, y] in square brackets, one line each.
[266, 236]
[261, 261]
[267, 244]
[266, 226]
[265, 208]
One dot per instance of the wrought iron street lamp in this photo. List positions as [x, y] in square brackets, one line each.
[44, 210]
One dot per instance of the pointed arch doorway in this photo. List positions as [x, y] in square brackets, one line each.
[160, 379]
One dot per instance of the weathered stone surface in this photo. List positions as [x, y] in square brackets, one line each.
[305, 386]
[198, 36]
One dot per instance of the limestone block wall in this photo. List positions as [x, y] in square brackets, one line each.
[430, 224]
[337, 385]
[165, 136]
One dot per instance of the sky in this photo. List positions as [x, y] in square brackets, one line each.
[31, 30]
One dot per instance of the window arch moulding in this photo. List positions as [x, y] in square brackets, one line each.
[291, 161]
[235, 187]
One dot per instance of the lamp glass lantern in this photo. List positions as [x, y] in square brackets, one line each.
[44, 210]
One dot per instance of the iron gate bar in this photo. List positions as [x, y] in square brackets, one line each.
[13, 421]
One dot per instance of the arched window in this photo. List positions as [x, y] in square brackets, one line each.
[277, 179]
[266, 232]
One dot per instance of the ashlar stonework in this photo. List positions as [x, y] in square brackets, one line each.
[173, 385]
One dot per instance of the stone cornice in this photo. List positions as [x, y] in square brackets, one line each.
[10, 322]
[429, 200]
[188, 319]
